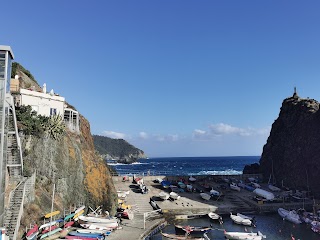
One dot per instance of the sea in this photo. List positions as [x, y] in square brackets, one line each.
[271, 225]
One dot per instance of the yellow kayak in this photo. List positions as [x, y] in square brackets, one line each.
[51, 214]
[78, 214]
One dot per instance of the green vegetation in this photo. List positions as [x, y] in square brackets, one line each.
[32, 123]
[114, 147]
[18, 67]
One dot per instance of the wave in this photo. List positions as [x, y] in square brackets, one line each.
[222, 172]
[126, 164]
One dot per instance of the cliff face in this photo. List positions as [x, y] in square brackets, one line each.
[81, 177]
[292, 151]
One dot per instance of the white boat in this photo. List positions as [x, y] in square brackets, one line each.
[214, 193]
[80, 209]
[291, 216]
[244, 235]
[205, 196]
[48, 224]
[100, 226]
[235, 187]
[189, 187]
[174, 196]
[241, 221]
[244, 216]
[274, 188]
[98, 219]
[79, 230]
[215, 216]
[263, 193]
[164, 195]
[256, 185]
[192, 179]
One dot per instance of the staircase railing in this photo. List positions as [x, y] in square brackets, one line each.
[16, 231]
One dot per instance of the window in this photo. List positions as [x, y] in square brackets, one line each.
[53, 111]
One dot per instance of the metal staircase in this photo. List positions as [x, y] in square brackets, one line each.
[14, 152]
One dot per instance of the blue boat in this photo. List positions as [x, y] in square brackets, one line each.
[249, 188]
[86, 235]
[165, 184]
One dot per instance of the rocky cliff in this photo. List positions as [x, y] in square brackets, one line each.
[292, 152]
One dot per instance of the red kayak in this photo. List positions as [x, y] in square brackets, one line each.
[32, 230]
[68, 224]
[48, 229]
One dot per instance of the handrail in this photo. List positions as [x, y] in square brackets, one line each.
[16, 231]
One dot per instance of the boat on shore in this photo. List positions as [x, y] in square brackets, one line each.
[191, 230]
[215, 217]
[164, 195]
[182, 237]
[274, 188]
[98, 219]
[205, 196]
[189, 216]
[241, 221]
[235, 187]
[174, 196]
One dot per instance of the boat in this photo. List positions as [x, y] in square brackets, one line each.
[174, 188]
[235, 187]
[265, 194]
[49, 229]
[68, 224]
[174, 236]
[291, 216]
[50, 233]
[66, 218]
[192, 179]
[77, 215]
[98, 219]
[274, 188]
[244, 216]
[244, 235]
[182, 185]
[315, 226]
[189, 188]
[50, 224]
[103, 232]
[33, 235]
[174, 196]
[191, 230]
[158, 180]
[249, 188]
[164, 195]
[205, 196]
[189, 216]
[241, 221]
[32, 230]
[90, 235]
[100, 226]
[48, 215]
[214, 192]
[80, 238]
[82, 208]
[154, 205]
[165, 184]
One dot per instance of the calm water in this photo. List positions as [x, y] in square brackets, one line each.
[270, 225]
[188, 165]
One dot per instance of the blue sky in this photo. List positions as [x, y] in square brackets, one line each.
[174, 78]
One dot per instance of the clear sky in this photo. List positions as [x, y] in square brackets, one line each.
[173, 77]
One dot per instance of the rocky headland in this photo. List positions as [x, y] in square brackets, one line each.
[292, 152]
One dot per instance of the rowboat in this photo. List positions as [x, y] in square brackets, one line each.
[244, 235]
[51, 214]
[205, 196]
[239, 220]
[291, 216]
[164, 195]
[235, 187]
[174, 196]
[191, 230]
[98, 219]
[32, 230]
[100, 226]
[50, 233]
[90, 235]
[174, 236]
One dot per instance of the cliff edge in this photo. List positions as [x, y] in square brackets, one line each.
[292, 152]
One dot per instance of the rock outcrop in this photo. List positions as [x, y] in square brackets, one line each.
[292, 152]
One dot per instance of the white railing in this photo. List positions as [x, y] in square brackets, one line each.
[146, 215]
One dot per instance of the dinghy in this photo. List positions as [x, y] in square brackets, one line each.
[291, 216]
[241, 221]
[214, 193]
[98, 219]
[244, 235]
[164, 195]
[174, 196]
[274, 188]
[235, 187]
[205, 196]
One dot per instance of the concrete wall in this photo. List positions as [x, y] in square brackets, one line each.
[42, 102]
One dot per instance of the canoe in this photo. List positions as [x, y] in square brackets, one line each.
[50, 233]
[77, 215]
[32, 230]
[69, 216]
[50, 224]
[174, 236]
[33, 236]
[80, 209]
[49, 229]
[51, 214]
[205, 196]
[98, 219]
